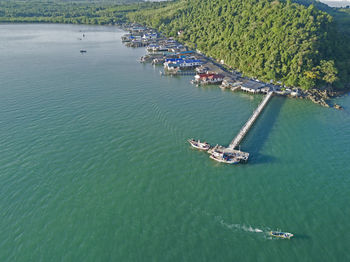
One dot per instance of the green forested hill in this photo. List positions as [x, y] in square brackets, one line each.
[342, 18]
[61, 11]
[280, 40]
[283, 40]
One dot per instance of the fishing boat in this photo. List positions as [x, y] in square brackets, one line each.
[83, 51]
[285, 235]
[198, 144]
[224, 158]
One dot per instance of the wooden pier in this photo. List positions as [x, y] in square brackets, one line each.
[244, 130]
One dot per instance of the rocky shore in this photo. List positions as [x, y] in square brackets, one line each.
[323, 96]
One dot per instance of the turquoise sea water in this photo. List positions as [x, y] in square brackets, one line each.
[94, 164]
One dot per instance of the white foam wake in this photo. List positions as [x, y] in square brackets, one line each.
[240, 227]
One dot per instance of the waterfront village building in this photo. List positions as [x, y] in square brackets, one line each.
[174, 63]
[150, 36]
[178, 48]
[156, 48]
[211, 78]
[252, 86]
[133, 38]
[202, 69]
[138, 29]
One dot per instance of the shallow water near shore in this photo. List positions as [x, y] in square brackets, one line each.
[94, 164]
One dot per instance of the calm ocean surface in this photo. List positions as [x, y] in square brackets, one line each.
[94, 164]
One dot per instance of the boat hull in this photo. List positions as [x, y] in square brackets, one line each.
[198, 145]
[222, 160]
[283, 235]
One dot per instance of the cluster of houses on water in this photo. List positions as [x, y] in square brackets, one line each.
[139, 36]
[178, 60]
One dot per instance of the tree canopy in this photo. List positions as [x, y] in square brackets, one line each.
[276, 40]
[76, 12]
[289, 41]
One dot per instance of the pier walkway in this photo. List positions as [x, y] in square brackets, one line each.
[244, 130]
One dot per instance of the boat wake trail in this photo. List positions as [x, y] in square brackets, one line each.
[240, 227]
[262, 232]
[265, 232]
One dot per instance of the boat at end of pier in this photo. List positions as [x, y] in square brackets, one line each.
[224, 158]
[227, 155]
[198, 144]
[284, 235]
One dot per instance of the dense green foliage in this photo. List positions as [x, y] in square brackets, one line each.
[78, 12]
[280, 40]
[342, 17]
[291, 42]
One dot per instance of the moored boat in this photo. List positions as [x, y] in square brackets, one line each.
[223, 158]
[198, 144]
[285, 235]
[220, 151]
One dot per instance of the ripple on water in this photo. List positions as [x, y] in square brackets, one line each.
[94, 163]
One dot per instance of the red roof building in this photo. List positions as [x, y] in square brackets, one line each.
[210, 78]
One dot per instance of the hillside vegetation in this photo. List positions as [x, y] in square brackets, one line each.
[73, 12]
[283, 41]
[342, 17]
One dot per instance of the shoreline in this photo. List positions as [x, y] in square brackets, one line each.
[321, 96]
[177, 59]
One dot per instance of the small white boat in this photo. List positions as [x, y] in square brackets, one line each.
[223, 158]
[198, 144]
[285, 235]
